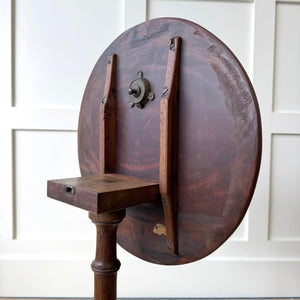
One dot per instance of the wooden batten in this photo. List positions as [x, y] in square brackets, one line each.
[107, 120]
[169, 143]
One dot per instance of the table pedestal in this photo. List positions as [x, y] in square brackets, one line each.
[106, 264]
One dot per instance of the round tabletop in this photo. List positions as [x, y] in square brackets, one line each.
[219, 137]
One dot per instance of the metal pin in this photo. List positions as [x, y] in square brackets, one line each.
[130, 91]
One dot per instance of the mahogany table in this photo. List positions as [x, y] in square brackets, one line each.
[169, 146]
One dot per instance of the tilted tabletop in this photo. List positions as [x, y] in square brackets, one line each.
[218, 136]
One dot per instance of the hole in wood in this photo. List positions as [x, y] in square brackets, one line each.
[69, 190]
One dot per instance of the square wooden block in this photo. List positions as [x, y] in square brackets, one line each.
[103, 193]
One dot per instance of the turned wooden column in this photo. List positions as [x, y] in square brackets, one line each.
[106, 264]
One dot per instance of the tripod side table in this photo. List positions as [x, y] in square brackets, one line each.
[169, 146]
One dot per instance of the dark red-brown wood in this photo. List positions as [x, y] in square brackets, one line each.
[219, 137]
[104, 192]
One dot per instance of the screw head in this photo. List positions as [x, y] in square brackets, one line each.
[140, 74]
[165, 91]
[170, 244]
[104, 100]
[151, 96]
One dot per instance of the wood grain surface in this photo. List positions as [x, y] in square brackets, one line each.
[103, 192]
[218, 137]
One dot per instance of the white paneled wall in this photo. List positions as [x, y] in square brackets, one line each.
[286, 85]
[57, 44]
[33, 166]
[285, 188]
[231, 21]
[48, 49]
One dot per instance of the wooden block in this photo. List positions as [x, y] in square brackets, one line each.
[103, 193]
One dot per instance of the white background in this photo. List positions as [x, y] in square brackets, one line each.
[48, 49]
